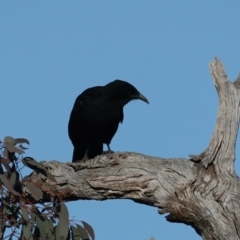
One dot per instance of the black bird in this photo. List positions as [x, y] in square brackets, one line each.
[95, 116]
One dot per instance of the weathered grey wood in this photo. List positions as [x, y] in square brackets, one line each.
[203, 192]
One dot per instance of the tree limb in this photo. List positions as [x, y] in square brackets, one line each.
[202, 191]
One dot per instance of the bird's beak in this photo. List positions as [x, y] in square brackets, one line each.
[141, 97]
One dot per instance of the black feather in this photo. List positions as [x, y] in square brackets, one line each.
[95, 116]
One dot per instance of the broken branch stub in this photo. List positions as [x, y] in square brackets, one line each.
[221, 149]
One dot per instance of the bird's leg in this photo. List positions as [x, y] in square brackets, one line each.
[85, 157]
[109, 150]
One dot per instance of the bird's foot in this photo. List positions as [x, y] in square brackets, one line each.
[108, 152]
[84, 159]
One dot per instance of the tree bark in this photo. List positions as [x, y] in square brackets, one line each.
[202, 191]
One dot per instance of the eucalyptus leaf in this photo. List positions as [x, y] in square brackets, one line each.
[21, 140]
[89, 230]
[82, 232]
[34, 190]
[11, 148]
[41, 226]
[63, 221]
[8, 185]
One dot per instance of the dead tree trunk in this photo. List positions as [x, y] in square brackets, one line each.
[203, 191]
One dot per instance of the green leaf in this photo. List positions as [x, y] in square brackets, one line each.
[34, 190]
[89, 229]
[33, 216]
[9, 139]
[41, 226]
[27, 223]
[75, 234]
[22, 147]
[63, 222]
[11, 148]
[8, 185]
[14, 177]
[5, 153]
[27, 231]
[51, 229]
[56, 230]
[82, 232]
[24, 211]
[21, 140]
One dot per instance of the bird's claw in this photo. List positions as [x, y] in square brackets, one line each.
[84, 159]
[108, 152]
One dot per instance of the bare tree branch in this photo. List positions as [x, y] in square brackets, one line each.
[202, 191]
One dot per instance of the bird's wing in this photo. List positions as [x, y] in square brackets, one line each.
[77, 121]
[87, 95]
[78, 125]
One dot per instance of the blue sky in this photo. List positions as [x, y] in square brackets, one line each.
[50, 51]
